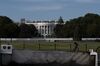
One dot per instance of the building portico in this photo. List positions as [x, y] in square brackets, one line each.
[45, 28]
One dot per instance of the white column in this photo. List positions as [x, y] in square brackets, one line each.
[44, 29]
[50, 29]
[47, 29]
[40, 30]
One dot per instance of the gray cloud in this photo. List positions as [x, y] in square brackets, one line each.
[43, 8]
[86, 1]
[39, 5]
[32, 0]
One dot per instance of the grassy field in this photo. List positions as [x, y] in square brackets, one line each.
[41, 45]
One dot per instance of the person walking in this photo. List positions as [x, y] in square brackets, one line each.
[76, 48]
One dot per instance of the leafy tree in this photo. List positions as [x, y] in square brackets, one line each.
[60, 20]
[11, 30]
[33, 31]
[27, 31]
[8, 29]
[58, 28]
[5, 20]
[82, 27]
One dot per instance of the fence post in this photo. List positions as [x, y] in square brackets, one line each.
[86, 47]
[0, 41]
[39, 46]
[55, 46]
[70, 48]
[23, 45]
[11, 40]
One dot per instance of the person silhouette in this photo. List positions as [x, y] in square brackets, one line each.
[76, 48]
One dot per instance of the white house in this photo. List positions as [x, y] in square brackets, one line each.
[45, 28]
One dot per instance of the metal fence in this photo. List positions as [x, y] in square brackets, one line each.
[50, 44]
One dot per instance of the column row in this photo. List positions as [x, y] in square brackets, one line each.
[45, 29]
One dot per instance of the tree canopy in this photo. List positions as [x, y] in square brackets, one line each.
[8, 29]
[87, 26]
[58, 28]
[27, 31]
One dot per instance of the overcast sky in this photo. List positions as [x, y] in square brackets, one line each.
[47, 9]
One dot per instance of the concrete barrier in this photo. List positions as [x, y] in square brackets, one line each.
[32, 57]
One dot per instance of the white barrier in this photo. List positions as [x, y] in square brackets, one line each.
[92, 53]
[28, 39]
[6, 49]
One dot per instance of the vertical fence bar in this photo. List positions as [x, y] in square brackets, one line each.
[86, 47]
[23, 44]
[11, 40]
[70, 48]
[39, 46]
[0, 41]
[55, 46]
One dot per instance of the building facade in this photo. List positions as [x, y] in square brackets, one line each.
[45, 28]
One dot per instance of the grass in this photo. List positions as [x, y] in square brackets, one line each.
[65, 46]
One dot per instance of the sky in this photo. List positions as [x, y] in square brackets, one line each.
[47, 9]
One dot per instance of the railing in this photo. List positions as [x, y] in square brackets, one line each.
[65, 44]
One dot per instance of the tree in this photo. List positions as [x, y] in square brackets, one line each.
[11, 30]
[83, 27]
[27, 31]
[91, 23]
[58, 30]
[8, 29]
[5, 20]
[33, 31]
[60, 20]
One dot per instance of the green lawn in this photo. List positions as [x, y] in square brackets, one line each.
[65, 46]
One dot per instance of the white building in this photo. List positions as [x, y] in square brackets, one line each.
[45, 28]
